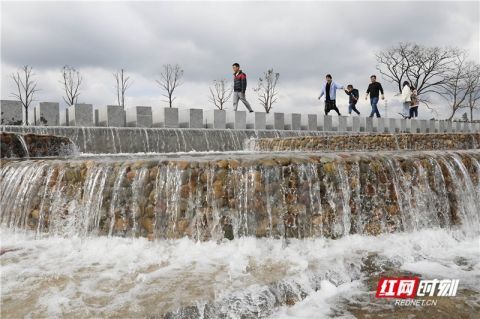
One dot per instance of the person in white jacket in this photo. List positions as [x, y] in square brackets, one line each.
[329, 89]
[406, 99]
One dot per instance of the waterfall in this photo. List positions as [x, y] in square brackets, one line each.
[111, 140]
[301, 195]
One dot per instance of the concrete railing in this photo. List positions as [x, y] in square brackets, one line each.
[84, 115]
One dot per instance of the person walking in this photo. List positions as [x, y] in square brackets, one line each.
[239, 87]
[329, 89]
[414, 102]
[352, 99]
[374, 88]
[406, 99]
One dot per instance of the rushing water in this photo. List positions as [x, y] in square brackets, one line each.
[134, 140]
[112, 277]
[235, 235]
[273, 195]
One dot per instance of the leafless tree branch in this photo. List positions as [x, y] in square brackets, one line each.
[71, 81]
[26, 88]
[220, 93]
[122, 84]
[170, 79]
[267, 89]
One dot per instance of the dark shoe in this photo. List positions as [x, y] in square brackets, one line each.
[251, 111]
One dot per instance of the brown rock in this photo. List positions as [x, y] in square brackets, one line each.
[147, 224]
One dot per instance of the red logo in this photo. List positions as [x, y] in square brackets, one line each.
[391, 287]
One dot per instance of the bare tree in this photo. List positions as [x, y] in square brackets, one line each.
[459, 83]
[220, 93]
[170, 79]
[71, 80]
[267, 89]
[473, 82]
[26, 88]
[122, 84]
[424, 67]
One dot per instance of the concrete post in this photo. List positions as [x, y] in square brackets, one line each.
[327, 123]
[432, 126]
[309, 122]
[275, 121]
[414, 126]
[47, 114]
[379, 125]
[11, 112]
[165, 117]
[191, 118]
[441, 126]
[139, 116]
[216, 119]
[111, 116]
[257, 120]
[293, 121]
[368, 124]
[423, 126]
[458, 126]
[392, 125]
[342, 123]
[80, 115]
[448, 126]
[403, 125]
[237, 120]
[356, 124]
[63, 117]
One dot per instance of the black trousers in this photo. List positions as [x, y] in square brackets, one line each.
[330, 105]
[413, 112]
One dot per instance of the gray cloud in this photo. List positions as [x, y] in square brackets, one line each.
[302, 41]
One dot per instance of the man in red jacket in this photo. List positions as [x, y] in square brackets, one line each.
[239, 87]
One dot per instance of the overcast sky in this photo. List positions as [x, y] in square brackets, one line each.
[302, 41]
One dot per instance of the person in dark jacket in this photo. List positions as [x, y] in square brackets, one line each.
[239, 87]
[374, 89]
[353, 99]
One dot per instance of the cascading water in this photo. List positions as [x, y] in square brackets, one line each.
[112, 140]
[279, 196]
[235, 235]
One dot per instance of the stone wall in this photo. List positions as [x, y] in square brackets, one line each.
[372, 142]
[14, 145]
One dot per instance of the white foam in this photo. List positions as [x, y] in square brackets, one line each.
[58, 277]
